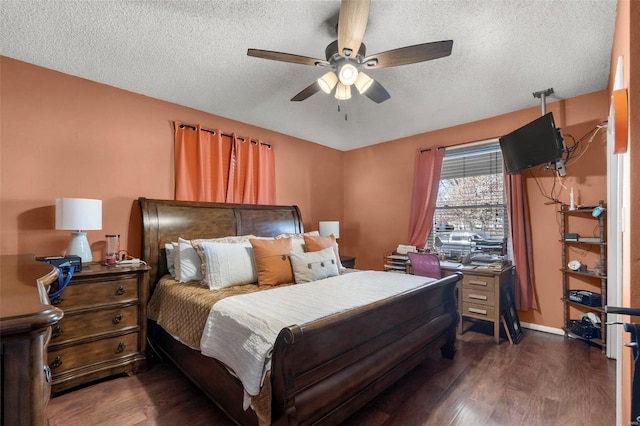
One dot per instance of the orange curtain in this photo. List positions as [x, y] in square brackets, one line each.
[520, 226]
[426, 179]
[266, 182]
[214, 167]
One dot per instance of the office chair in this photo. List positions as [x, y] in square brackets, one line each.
[425, 264]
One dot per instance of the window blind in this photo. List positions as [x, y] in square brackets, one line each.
[475, 160]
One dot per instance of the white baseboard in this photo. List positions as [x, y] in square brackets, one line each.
[543, 328]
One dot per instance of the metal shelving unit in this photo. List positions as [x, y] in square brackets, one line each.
[588, 277]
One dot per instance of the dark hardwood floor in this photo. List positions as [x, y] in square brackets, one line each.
[543, 380]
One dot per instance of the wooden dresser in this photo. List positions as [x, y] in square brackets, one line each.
[104, 329]
[479, 294]
[26, 318]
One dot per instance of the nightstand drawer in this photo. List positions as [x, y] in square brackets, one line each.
[475, 310]
[73, 327]
[86, 354]
[97, 293]
[478, 282]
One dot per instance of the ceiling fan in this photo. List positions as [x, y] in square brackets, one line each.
[346, 57]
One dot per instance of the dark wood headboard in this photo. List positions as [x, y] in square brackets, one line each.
[163, 221]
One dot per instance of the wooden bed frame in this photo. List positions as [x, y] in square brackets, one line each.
[324, 371]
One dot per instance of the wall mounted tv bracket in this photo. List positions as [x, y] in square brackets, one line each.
[542, 95]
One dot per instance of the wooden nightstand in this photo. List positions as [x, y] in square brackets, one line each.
[348, 261]
[104, 329]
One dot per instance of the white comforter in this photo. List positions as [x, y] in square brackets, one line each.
[241, 330]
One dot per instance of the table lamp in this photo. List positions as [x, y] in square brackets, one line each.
[330, 227]
[79, 214]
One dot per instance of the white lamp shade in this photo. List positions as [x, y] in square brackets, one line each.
[330, 227]
[343, 92]
[363, 82]
[327, 82]
[78, 214]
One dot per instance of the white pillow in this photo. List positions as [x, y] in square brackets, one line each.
[170, 251]
[297, 240]
[228, 264]
[314, 265]
[187, 262]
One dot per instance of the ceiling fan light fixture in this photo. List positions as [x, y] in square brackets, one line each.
[343, 92]
[363, 82]
[328, 81]
[347, 74]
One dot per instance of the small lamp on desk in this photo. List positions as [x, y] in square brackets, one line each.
[79, 214]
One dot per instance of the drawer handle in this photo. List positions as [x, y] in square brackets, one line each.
[57, 362]
[117, 319]
[120, 291]
[478, 311]
[482, 283]
[57, 331]
[121, 347]
[57, 300]
[47, 373]
[477, 297]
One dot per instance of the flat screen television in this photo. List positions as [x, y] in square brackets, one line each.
[533, 144]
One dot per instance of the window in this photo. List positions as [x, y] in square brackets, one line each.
[470, 214]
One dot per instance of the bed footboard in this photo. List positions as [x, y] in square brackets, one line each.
[326, 370]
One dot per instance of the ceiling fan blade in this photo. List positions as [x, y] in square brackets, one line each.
[377, 93]
[352, 24]
[286, 57]
[306, 92]
[409, 55]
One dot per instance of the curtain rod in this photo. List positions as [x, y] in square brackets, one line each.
[213, 132]
[429, 149]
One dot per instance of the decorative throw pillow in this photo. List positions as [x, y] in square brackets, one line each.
[197, 245]
[313, 266]
[272, 261]
[318, 243]
[228, 264]
[187, 262]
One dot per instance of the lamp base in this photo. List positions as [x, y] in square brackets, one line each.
[79, 246]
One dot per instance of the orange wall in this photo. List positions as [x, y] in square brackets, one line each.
[627, 45]
[67, 137]
[63, 136]
[379, 179]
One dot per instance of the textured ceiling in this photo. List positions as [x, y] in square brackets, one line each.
[194, 53]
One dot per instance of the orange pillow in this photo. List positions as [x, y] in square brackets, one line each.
[272, 261]
[312, 243]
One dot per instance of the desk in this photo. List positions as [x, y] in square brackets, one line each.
[479, 293]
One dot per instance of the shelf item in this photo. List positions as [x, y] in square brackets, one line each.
[104, 329]
[584, 329]
[575, 280]
[585, 297]
[395, 262]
